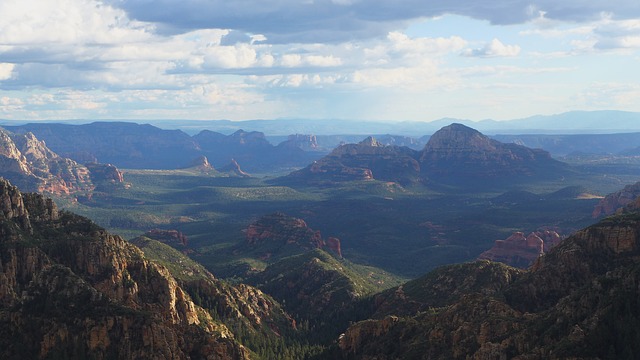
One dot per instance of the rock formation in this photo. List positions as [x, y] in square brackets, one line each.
[521, 251]
[201, 164]
[617, 200]
[105, 173]
[29, 163]
[173, 238]
[278, 232]
[234, 168]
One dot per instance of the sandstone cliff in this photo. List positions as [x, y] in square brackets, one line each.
[68, 289]
[29, 163]
[617, 200]
[521, 251]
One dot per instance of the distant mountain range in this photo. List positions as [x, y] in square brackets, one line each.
[136, 146]
[574, 122]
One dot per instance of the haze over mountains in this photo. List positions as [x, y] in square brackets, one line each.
[574, 122]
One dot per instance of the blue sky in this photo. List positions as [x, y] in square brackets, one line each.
[345, 59]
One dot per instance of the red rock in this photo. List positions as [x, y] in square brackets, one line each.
[170, 237]
[617, 200]
[334, 245]
[282, 229]
[521, 251]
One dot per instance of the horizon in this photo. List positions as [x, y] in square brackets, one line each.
[569, 123]
[323, 59]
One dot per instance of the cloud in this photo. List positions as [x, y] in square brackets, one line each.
[6, 71]
[294, 21]
[493, 49]
[610, 95]
[617, 34]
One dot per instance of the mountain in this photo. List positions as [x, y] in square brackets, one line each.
[28, 162]
[367, 160]
[578, 301]
[69, 289]
[457, 153]
[253, 150]
[253, 317]
[126, 145]
[573, 122]
[324, 293]
[567, 144]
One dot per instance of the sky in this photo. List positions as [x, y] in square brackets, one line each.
[415, 60]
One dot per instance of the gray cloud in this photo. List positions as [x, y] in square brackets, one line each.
[287, 21]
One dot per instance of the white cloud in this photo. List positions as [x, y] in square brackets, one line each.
[27, 22]
[610, 96]
[617, 34]
[493, 49]
[230, 57]
[291, 60]
[6, 71]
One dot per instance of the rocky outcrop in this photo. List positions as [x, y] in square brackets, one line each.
[234, 168]
[521, 251]
[105, 173]
[279, 233]
[173, 238]
[68, 288]
[617, 200]
[29, 163]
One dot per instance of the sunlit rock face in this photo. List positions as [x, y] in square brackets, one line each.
[29, 163]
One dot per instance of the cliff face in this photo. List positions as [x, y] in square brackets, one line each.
[521, 251]
[68, 288]
[28, 162]
[617, 200]
[578, 301]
